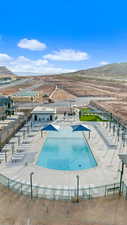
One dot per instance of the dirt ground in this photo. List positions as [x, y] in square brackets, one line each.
[117, 107]
[20, 210]
[60, 94]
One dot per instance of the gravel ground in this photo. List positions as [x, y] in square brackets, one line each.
[20, 210]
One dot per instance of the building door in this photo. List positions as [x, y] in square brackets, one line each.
[35, 117]
[51, 117]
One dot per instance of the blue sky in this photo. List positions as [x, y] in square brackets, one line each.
[55, 36]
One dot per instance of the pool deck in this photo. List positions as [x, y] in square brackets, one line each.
[105, 148]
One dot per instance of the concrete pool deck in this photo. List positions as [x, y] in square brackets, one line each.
[106, 172]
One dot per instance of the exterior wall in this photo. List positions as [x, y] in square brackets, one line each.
[2, 112]
[43, 117]
[23, 99]
[36, 98]
[9, 129]
[6, 106]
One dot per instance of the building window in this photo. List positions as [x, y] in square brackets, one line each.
[35, 117]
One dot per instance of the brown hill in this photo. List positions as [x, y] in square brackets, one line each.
[113, 71]
[6, 73]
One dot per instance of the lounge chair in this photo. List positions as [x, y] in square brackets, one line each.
[20, 149]
[17, 158]
[18, 153]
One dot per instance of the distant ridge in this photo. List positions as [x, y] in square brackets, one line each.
[6, 73]
[115, 70]
[109, 69]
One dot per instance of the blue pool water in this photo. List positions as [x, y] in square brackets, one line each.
[66, 150]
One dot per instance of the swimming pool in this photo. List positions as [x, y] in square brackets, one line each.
[66, 150]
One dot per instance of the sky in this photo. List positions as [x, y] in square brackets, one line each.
[57, 36]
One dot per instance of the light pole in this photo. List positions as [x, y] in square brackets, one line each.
[18, 137]
[123, 158]
[77, 191]
[5, 156]
[121, 176]
[24, 134]
[31, 185]
[12, 147]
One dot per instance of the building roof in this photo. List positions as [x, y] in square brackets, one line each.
[26, 93]
[40, 109]
[5, 99]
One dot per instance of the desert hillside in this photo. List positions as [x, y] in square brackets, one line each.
[6, 73]
[110, 71]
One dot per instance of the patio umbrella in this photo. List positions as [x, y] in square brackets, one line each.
[81, 127]
[50, 127]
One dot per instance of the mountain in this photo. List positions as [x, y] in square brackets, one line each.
[114, 69]
[110, 71]
[6, 73]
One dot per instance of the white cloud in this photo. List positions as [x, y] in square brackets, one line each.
[104, 63]
[67, 55]
[31, 44]
[23, 65]
[4, 58]
[22, 60]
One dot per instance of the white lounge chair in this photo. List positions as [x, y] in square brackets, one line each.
[18, 153]
[16, 158]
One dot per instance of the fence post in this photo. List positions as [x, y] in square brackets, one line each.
[8, 182]
[21, 188]
[121, 175]
[126, 194]
[105, 190]
[114, 190]
[89, 193]
[77, 191]
[37, 191]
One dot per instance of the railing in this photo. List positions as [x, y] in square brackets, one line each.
[62, 193]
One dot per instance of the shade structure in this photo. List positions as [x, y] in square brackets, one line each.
[50, 127]
[81, 127]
